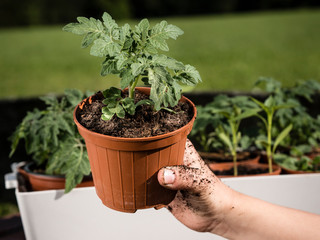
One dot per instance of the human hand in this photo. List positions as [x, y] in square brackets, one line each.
[202, 198]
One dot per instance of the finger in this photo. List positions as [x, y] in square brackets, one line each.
[191, 156]
[194, 180]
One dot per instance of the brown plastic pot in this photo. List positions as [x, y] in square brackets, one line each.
[276, 170]
[242, 157]
[289, 171]
[125, 169]
[41, 182]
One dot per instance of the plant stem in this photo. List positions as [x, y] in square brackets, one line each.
[269, 153]
[234, 146]
[133, 87]
[235, 166]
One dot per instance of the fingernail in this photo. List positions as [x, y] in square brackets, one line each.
[168, 176]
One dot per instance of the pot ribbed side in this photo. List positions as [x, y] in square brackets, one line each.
[127, 181]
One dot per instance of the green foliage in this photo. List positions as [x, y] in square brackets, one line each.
[305, 128]
[217, 124]
[52, 139]
[303, 163]
[133, 55]
[270, 106]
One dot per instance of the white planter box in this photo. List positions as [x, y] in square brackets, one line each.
[81, 215]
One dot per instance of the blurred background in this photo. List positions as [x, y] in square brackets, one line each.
[231, 42]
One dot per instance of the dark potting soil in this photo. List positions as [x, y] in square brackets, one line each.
[242, 170]
[145, 122]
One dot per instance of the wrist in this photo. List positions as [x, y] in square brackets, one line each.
[225, 201]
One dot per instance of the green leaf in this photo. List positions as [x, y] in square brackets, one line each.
[269, 102]
[105, 47]
[162, 92]
[144, 102]
[265, 108]
[112, 93]
[109, 67]
[286, 161]
[247, 113]
[226, 140]
[189, 76]
[143, 27]
[74, 96]
[137, 68]
[281, 136]
[126, 78]
[161, 32]
[121, 113]
[109, 23]
[129, 106]
[162, 60]
[84, 26]
[89, 39]
[106, 114]
[282, 106]
[122, 60]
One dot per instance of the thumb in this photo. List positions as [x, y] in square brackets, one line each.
[185, 178]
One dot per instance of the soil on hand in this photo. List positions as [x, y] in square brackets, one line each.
[145, 122]
[242, 170]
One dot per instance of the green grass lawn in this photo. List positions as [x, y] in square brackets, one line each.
[230, 52]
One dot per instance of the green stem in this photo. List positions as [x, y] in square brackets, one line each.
[234, 150]
[269, 152]
[235, 166]
[133, 87]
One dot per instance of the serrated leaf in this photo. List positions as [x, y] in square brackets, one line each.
[89, 39]
[84, 26]
[112, 93]
[138, 67]
[100, 48]
[74, 96]
[106, 114]
[162, 92]
[165, 61]
[109, 67]
[150, 49]
[126, 78]
[189, 76]
[109, 23]
[128, 105]
[121, 113]
[143, 28]
[161, 32]
[122, 60]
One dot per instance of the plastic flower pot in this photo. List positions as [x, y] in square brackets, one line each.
[276, 170]
[242, 157]
[41, 182]
[125, 169]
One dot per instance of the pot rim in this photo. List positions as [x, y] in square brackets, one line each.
[28, 167]
[140, 139]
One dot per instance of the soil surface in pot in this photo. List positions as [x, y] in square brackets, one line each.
[242, 170]
[145, 123]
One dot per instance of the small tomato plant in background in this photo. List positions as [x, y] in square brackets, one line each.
[133, 55]
[51, 138]
[233, 110]
[269, 106]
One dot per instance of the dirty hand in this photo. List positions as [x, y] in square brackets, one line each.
[202, 198]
